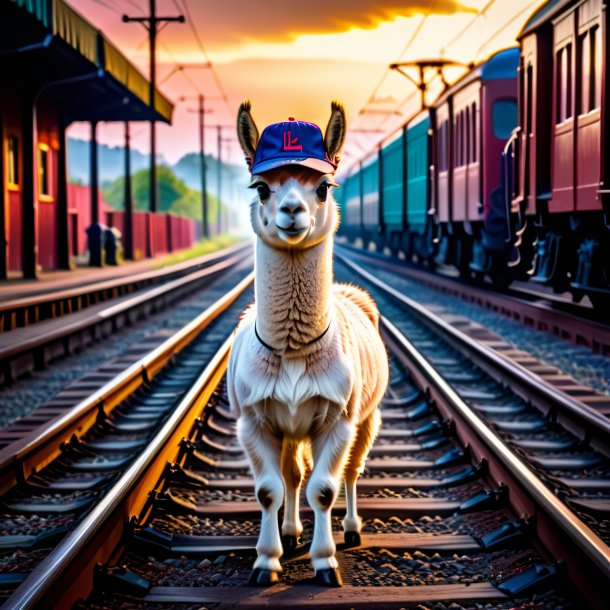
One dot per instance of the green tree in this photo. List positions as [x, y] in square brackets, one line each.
[175, 196]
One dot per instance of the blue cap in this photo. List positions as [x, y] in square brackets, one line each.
[292, 143]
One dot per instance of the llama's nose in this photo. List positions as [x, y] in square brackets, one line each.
[292, 207]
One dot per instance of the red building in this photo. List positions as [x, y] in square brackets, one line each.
[57, 68]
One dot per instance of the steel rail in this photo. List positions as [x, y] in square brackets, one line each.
[17, 349]
[55, 582]
[522, 381]
[56, 299]
[18, 460]
[536, 310]
[565, 522]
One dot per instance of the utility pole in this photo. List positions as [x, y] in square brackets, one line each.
[219, 214]
[202, 111]
[151, 23]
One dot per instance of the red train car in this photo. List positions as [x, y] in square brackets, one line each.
[473, 118]
[562, 168]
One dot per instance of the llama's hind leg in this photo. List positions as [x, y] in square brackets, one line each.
[330, 451]
[365, 435]
[264, 453]
[293, 469]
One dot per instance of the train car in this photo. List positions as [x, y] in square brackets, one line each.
[473, 119]
[372, 227]
[392, 159]
[419, 240]
[562, 169]
[348, 197]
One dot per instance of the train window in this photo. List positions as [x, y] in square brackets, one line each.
[13, 161]
[569, 81]
[559, 87]
[442, 152]
[563, 92]
[529, 128]
[475, 144]
[456, 141]
[462, 137]
[585, 73]
[596, 67]
[43, 169]
[503, 118]
[468, 136]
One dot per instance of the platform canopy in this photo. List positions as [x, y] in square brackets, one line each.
[47, 47]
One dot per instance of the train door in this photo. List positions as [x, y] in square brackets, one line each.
[459, 182]
[563, 115]
[445, 160]
[588, 119]
[527, 136]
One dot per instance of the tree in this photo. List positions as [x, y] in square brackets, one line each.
[175, 196]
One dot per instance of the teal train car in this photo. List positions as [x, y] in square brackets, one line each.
[370, 199]
[394, 196]
[418, 192]
[348, 197]
[393, 190]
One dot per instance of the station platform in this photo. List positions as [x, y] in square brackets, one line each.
[16, 288]
[55, 280]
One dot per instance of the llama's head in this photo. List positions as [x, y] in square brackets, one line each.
[292, 173]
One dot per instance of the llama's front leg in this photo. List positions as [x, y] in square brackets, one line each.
[367, 431]
[264, 452]
[330, 451]
[292, 472]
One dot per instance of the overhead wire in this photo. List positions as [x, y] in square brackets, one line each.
[514, 18]
[202, 48]
[455, 38]
[179, 68]
[480, 13]
[108, 6]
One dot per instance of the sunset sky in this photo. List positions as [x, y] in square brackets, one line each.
[293, 58]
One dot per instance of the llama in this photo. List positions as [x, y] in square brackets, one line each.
[307, 368]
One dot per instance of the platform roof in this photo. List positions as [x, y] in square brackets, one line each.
[48, 47]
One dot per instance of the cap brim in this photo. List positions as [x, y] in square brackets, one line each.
[319, 165]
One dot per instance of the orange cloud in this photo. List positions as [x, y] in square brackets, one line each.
[278, 20]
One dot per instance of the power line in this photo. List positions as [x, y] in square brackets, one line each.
[108, 6]
[517, 16]
[179, 68]
[407, 46]
[480, 13]
[199, 42]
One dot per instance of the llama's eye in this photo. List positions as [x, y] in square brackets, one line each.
[263, 190]
[322, 191]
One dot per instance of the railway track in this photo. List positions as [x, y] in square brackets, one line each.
[50, 477]
[38, 305]
[539, 311]
[471, 499]
[35, 346]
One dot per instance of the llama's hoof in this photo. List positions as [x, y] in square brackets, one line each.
[352, 538]
[329, 577]
[290, 543]
[263, 578]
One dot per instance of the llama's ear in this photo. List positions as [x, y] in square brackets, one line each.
[247, 132]
[335, 131]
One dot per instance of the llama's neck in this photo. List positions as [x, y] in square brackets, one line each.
[293, 294]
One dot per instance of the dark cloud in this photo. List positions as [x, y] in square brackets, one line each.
[280, 20]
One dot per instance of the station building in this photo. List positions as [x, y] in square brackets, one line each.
[57, 68]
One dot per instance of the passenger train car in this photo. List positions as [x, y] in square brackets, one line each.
[461, 184]
[559, 159]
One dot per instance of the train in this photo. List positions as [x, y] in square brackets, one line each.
[506, 174]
